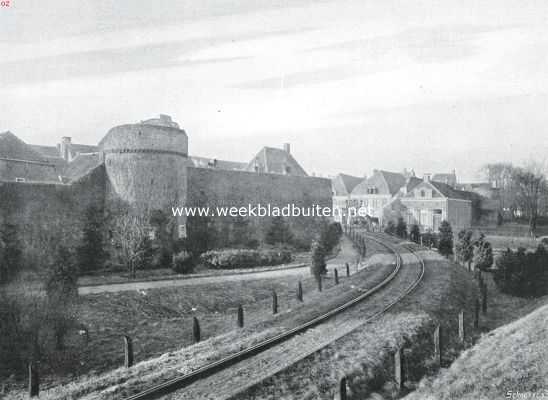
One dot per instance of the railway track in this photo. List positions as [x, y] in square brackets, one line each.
[278, 340]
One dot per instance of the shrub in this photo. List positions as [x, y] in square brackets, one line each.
[390, 228]
[330, 235]
[244, 258]
[430, 239]
[279, 232]
[91, 253]
[464, 247]
[401, 228]
[445, 245]
[317, 265]
[415, 233]
[183, 263]
[483, 253]
[522, 274]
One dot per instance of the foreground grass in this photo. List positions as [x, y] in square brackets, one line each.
[365, 355]
[160, 322]
[512, 359]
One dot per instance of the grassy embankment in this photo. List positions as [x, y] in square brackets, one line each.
[159, 321]
[365, 356]
[509, 361]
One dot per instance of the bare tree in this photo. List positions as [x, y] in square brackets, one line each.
[531, 185]
[501, 176]
[130, 236]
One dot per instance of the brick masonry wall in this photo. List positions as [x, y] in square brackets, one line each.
[43, 211]
[211, 187]
[9, 170]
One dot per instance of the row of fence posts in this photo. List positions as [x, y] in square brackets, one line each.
[401, 367]
[34, 382]
[402, 354]
[196, 332]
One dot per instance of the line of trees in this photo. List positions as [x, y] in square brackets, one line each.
[470, 250]
[523, 191]
[522, 273]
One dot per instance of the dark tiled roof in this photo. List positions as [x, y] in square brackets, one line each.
[412, 182]
[275, 161]
[392, 180]
[203, 162]
[344, 184]
[83, 148]
[449, 192]
[46, 151]
[82, 165]
[13, 147]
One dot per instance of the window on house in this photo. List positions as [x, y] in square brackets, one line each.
[423, 193]
[287, 170]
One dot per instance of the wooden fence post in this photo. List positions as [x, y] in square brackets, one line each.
[274, 302]
[300, 291]
[437, 346]
[196, 330]
[336, 273]
[476, 313]
[34, 380]
[240, 316]
[484, 300]
[319, 279]
[461, 326]
[128, 352]
[398, 369]
[342, 389]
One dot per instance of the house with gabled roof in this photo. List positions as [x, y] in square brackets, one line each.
[271, 160]
[431, 202]
[20, 162]
[342, 186]
[376, 192]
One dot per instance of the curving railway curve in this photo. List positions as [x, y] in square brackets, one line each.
[232, 374]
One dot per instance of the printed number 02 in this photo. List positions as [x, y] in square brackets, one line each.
[5, 3]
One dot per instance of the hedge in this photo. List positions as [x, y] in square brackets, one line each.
[244, 258]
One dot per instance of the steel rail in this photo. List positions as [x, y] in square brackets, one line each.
[219, 365]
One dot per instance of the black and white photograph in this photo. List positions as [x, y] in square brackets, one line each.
[273, 199]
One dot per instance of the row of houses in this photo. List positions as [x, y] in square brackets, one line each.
[386, 196]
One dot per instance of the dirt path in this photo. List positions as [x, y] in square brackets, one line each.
[346, 254]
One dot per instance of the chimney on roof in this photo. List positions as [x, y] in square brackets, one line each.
[287, 148]
[427, 177]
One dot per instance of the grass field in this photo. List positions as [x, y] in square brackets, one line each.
[513, 242]
[365, 356]
[160, 323]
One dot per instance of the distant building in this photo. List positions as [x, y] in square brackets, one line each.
[377, 192]
[449, 178]
[342, 186]
[146, 165]
[271, 160]
[431, 202]
[426, 202]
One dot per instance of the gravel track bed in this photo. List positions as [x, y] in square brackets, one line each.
[245, 374]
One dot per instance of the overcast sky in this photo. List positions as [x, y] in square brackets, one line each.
[352, 85]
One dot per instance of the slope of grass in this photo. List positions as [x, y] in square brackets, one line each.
[365, 355]
[160, 322]
[510, 360]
